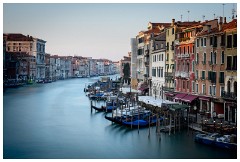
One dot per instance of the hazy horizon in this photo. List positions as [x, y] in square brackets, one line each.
[99, 30]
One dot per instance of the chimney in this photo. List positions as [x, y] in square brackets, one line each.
[225, 20]
[220, 24]
[173, 21]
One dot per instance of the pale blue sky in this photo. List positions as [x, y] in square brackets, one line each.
[98, 30]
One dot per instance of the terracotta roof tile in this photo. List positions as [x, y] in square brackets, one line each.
[18, 37]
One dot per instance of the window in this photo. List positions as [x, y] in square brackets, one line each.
[211, 57]
[192, 49]
[180, 50]
[172, 31]
[193, 85]
[210, 90]
[167, 67]
[235, 88]
[162, 57]
[161, 72]
[203, 74]
[168, 32]
[229, 62]
[221, 91]
[211, 41]
[197, 57]
[167, 57]
[197, 43]
[234, 63]
[196, 74]
[215, 58]
[212, 76]
[196, 87]
[223, 40]
[214, 90]
[140, 51]
[201, 41]
[204, 89]
[193, 66]
[184, 50]
[183, 84]
[167, 46]
[161, 45]
[222, 57]
[187, 84]
[221, 77]
[228, 87]
[229, 41]
[215, 41]
[204, 42]
[204, 58]
[235, 40]
[172, 45]
[188, 51]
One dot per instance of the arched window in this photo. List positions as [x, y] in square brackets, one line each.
[228, 87]
[235, 88]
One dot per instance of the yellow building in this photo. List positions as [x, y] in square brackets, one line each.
[230, 55]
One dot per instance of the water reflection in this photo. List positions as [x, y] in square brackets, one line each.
[55, 121]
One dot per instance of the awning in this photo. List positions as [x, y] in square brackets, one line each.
[180, 96]
[169, 94]
[189, 98]
[178, 107]
[204, 98]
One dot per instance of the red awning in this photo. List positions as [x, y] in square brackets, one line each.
[204, 98]
[189, 98]
[180, 96]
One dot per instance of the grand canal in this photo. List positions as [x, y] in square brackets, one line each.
[54, 121]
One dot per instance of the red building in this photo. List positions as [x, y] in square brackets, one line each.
[184, 59]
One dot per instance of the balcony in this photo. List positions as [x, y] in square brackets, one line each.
[168, 74]
[177, 74]
[176, 42]
[184, 39]
[185, 74]
[229, 95]
[187, 55]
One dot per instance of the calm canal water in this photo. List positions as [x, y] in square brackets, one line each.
[54, 121]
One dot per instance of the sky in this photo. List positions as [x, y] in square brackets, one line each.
[99, 30]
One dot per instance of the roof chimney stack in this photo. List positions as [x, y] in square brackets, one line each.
[220, 24]
[225, 20]
[173, 21]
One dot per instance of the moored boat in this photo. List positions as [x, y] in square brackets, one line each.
[214, 139]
